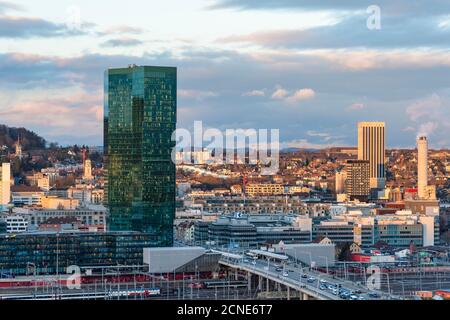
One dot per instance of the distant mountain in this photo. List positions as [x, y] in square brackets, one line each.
[293, 149]
[28, 139]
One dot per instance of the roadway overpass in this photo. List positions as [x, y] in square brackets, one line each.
[294, 277]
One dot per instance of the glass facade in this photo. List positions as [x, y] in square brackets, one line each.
[47, 251]
[140, 117]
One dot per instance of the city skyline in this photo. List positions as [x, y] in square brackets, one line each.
[254, 152]
[278, 75]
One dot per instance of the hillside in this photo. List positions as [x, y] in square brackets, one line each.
[28, 139]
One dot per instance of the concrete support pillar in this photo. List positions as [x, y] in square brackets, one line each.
[267, 285]
[236, 275]
[305, 296]
[249, 281]
[260, 283]
[288, 293]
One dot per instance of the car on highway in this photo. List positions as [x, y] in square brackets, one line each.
[353, 297]
[335, 291]
[344, 295]
[304, 276]
[278, 269]
[311, 280]
[322, 287]
[373, 295]
[285, 274]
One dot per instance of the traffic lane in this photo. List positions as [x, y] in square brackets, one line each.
[294, 276]
[346, 285]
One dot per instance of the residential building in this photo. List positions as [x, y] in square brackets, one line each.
[357, 183]
[267, 189]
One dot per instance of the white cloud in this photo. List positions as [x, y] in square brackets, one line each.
[430, 113]
[424, 108]
[409, 129]
[196, 94]
[312, 133]
[279, 93]
[254, 93]
[70, 111]
[426, 129]
[305, 144]
[301, 95]
[121, 29]
[356, 106]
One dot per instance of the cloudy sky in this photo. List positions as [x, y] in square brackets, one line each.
[310, 68]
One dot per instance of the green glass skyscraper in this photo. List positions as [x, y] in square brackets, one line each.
[140, 105]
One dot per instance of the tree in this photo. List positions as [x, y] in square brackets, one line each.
[344, 252]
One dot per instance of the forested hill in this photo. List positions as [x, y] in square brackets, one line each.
[28, 139]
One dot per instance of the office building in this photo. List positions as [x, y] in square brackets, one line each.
[345, 232]
[16, 224]
[140, 117]
[423, 207]
[371, 147]
[54, 202]
[49, 251]
[90, 218]
[250, 231]
[3, 226]
[23, 195]
[357, 184]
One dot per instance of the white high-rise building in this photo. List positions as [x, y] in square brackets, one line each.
[5, 189]
[371, 147]
[422, 166]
